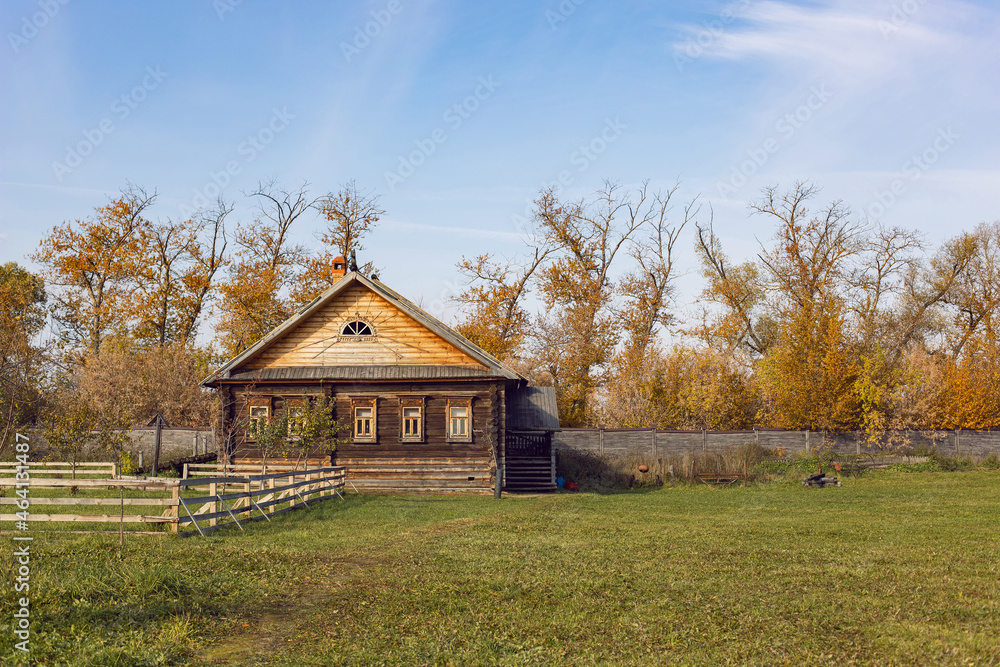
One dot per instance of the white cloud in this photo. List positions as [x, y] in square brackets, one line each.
[845, 40]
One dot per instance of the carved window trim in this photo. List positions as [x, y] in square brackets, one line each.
[257, 414]
[412, 427]
[458, 418]
[364, 419]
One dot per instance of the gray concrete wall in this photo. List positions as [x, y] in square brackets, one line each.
[175, 443]
[616, 442]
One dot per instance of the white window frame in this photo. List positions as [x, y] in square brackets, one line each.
[295, 420]
[253, 424]
[372, 419]
[412, 422]
[454, 434]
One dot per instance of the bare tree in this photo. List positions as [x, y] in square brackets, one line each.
[253, 300]
[351, 214]
[648, 289]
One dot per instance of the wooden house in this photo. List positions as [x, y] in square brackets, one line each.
[428, 409]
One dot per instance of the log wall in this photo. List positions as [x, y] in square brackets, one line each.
[388, 463]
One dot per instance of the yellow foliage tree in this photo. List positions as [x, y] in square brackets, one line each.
[808, 377]
[94, 264]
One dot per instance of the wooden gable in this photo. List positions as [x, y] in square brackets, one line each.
[398, 339]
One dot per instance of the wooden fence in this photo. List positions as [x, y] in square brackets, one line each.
[214, 501]
[83, 470]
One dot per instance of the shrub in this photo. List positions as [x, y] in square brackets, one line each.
[594, 472]
[952, 463]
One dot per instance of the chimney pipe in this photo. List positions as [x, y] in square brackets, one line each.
[339, 268]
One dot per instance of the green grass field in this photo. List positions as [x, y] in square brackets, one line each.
[890, 568]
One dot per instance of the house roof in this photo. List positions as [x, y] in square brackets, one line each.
[532, 409]
[399, 372]
[495, 367]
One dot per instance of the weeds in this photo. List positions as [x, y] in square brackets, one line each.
[597, 473]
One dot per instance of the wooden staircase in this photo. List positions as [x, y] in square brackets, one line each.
[528, 474]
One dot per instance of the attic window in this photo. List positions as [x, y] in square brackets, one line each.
[357, 328]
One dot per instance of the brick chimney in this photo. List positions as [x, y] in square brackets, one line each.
[339, 268]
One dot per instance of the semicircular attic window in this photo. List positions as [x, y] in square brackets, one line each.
[356, 328]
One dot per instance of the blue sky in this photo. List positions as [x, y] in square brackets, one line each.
[458, 113]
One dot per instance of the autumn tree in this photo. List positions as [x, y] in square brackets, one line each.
[683, 388]
[808, 377]
[253, 298]
[22, 357]
[633, 393]
[175, 277]
[125, 378]
[70, 427]
[91, 264]
[737, 318]
[973, 298]
[350, 215]
[496, 318]
[77, 427]
[578, 336]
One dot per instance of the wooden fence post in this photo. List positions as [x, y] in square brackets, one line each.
[270, 485]
[175, 510]
[213, 490]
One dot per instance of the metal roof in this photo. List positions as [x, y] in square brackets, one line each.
[532, 409]
[360, 373]
[495, 366]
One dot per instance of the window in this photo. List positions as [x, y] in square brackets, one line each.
[357, 328]
[460, 420]
[296, 422]
[412, 423]
[258, 415]
[364, 420]
[411, 418]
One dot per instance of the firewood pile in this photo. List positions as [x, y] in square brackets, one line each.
[820, 479]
